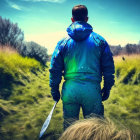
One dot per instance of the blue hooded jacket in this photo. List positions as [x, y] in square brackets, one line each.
[84, 55]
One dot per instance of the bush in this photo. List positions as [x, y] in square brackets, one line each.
[34, 50]
[12, 36]
[10, 33]
[128, 49]
[116, 50]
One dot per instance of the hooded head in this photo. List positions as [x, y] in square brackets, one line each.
[79, 30]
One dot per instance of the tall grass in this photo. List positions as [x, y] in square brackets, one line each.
[123, 105]
[128, 70]
[13, 69]
[12, 62]
[29, 103]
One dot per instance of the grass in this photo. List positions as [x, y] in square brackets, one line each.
[123, 105]
[14, 69]
[128, 70]
[24, 110]
[14, 63]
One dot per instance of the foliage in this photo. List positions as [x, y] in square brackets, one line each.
[10, 33]
[132, 48]
[116, 50]
[34, 50]
[128, 49]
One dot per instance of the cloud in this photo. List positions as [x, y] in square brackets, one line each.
[53, 1]
[15, 6]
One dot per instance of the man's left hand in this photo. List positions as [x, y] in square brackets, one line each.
[105, 94]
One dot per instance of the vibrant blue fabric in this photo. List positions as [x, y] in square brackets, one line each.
[79, 30]
[76, 94]
[84, 55]
[82, 58]
[56, 69]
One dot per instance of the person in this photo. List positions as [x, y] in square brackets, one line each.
[96, 129]
[82, 58]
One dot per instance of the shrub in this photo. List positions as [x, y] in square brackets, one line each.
[12, 36]
[128, 49]
[10, 33]
[34, 50]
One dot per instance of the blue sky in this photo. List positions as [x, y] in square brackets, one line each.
[45, 21]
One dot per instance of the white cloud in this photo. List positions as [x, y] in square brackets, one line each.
[15, 6]
[53, 1]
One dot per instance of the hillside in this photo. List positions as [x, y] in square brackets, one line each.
[123, 105]
[25, 99]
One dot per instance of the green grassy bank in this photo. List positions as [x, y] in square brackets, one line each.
[123, 105]
[25, 99]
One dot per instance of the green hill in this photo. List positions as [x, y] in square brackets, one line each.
[123, 105]
[25, 99]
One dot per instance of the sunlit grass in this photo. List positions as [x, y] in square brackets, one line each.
[128, 70]
[23, 113]
[13, 63]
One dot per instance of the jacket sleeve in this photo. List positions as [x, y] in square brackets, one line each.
[56, 68]
[107, 66]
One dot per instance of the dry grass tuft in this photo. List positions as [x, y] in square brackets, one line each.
[7, 49]
[96, 129]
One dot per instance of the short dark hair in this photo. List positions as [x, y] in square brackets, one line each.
[79, 12]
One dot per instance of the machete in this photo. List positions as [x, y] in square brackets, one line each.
[47, 121]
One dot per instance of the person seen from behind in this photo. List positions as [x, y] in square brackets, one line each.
[83, 58]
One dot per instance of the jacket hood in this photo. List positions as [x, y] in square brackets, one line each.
[79, 30]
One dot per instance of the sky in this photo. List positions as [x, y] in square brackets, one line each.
[45, 21]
